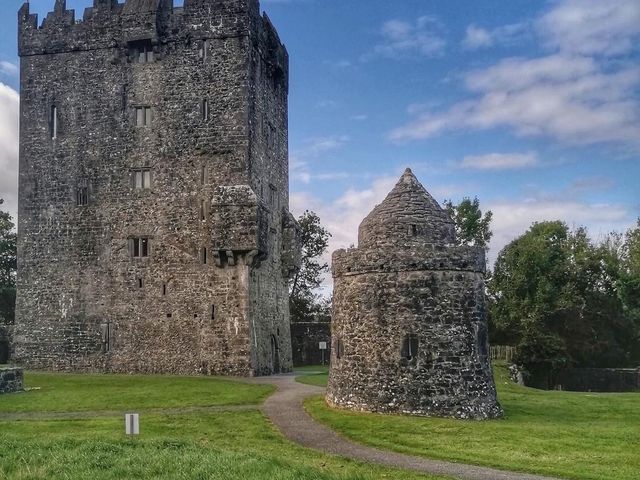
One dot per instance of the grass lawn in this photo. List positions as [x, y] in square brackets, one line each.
[231, 445]
[315, 375]
[64, 392]
[573, 435]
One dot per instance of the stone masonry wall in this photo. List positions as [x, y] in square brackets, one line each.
[85, 301]
[11, 380]
[409, 323]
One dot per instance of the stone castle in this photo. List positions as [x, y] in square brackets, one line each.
[154, 230]
[409, 326]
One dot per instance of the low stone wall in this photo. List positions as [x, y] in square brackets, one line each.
[305, 340]
[11, 380]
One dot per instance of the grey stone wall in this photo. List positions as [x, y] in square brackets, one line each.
[409, 327]
[210, 297]
[11, 380]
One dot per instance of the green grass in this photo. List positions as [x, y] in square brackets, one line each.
[573, 435]
[316, 375]
[191, 445]
[77, 393]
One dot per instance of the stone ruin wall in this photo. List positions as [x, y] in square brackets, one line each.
[83, 302]
[11, 380]
[409, 325]
[439, 300]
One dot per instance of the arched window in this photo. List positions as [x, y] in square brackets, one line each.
[410, 346]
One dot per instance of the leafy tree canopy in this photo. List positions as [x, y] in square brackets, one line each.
[7, 267]
[304, 303]
[472, 227]
[555, 294]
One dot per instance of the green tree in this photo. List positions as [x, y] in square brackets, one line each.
[7, 268]
[630, 282]
[472, 227]
[555, 296]
[304, 302]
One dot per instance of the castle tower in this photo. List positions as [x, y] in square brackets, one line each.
[154, 231]
[409, 319]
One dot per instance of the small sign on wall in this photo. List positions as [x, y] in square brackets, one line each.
[323, 345]
[132, 424]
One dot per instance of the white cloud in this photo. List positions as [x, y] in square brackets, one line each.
[9, 121]
[310, 151]
[574, 95]
[570, 99]
[8, 68]
[592, 27]
[402, 39]
[477, 37]
[500, 161]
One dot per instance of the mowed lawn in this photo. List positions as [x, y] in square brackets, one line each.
[572, 435]
[191, 428]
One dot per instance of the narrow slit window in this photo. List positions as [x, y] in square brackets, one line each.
[204, 109]
[204, 50]
[53, 122]
[410, 346]
[203, 210]
[213, 312]
[414, 230]
[140, 282]
[203, 255]
[164, 289]
[82, 196]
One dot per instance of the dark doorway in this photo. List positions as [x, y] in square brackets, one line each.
[275, 355]
[4, 350]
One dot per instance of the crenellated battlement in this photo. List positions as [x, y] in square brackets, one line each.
[111, 24]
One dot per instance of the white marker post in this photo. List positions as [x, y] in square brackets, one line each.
[132, 424]
[323, 347]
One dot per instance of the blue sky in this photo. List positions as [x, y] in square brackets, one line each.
[534, 107]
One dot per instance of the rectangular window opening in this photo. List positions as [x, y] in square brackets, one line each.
[140, 247]
[141, 179]
[164, 289]
[144, 116]
[203, 255]
[213, 312]
[140, 283]
[141, 51]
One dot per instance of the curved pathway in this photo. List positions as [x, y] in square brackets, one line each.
[285, 409]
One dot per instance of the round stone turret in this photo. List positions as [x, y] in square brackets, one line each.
[408, 216]
[409, 326]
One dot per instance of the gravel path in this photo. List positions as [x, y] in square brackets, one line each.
[286, 411]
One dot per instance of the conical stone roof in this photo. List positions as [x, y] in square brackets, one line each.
[408, 216]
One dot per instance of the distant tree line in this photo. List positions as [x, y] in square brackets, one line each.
[561, 298]
[8, 266]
